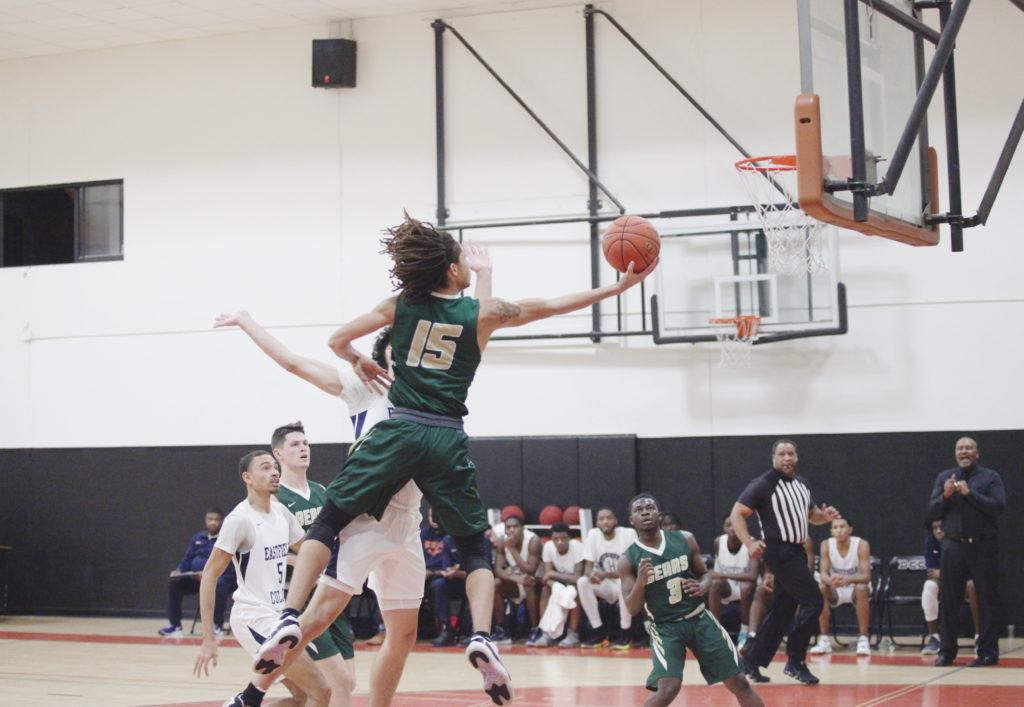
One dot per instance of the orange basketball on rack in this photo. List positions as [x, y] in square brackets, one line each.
[571, 515]
[549, 515]
[631, 239]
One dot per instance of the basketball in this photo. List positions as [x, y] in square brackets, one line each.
[512, 511]
[630, 239]
[549, 515]
[571, 515]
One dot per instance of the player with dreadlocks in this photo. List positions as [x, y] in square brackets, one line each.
[437, 339]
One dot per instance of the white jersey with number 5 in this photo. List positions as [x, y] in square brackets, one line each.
[259, 543]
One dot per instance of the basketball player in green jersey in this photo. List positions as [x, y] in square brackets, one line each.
[663, 573]
[437, 340]
[331, 651]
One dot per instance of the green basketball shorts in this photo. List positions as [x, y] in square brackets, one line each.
[394, 451]
[716, 655]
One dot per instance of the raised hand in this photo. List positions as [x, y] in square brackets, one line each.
[630, 278]
[477, 256]
[235, 319]
[949, 487]
[831, 513]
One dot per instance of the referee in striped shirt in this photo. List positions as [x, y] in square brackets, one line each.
[784, 505]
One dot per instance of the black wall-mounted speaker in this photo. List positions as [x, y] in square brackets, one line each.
[334, 63]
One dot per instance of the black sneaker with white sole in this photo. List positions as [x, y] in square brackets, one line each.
[273, 651]
[483, 655]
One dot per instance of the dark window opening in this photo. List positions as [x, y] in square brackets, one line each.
[61, 224]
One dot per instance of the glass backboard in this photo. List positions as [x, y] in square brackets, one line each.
[890, 66]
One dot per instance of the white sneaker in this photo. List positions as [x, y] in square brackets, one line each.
[273, 651]
[824, 645]
[863, 646]
[483, 655]
[571, 640]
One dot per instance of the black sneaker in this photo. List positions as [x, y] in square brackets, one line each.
[799, 671]
[236, 701]
[752, 670]
[445, 638]
[483, 655]
[273, 651]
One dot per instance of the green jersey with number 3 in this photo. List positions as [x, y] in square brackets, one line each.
[664, 598]
[435, 352]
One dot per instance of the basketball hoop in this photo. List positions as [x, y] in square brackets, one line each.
[794, 238]
[736, 335]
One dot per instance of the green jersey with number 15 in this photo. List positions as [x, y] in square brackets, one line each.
[436, 354]
[672, 562]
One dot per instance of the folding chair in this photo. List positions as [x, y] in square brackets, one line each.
[902, 587]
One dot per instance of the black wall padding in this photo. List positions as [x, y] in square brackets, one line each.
[499, 469]
[97, 530]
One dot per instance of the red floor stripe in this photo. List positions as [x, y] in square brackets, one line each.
[791, 695]
[101, 638]
[840, 659]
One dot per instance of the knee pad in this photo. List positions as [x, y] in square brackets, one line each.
[328, 524]
[475, 551]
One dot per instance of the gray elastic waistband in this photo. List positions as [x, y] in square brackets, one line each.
[430, 419]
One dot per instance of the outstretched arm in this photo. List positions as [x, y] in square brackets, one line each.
[320, 374]
[375, 377]
[497, 313]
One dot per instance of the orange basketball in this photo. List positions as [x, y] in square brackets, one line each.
[549, 515]
[631, 239]
[571, 515]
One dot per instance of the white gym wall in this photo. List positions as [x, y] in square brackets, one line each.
[244, 187]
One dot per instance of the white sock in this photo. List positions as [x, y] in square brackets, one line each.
[863, 637]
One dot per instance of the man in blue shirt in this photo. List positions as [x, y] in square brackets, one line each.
[184, 578]
[443, 575]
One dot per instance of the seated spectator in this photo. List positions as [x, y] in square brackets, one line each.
[443, 574]
[563, 566]
[734, 577]
[601, 550]
[930, 590]
[765, 592]
[845, 579]
[185, 577]
[670, 521]
[515, 575]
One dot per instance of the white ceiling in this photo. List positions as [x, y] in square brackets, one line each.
[38, 27]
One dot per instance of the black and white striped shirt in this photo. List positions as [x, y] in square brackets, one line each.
[781, 504]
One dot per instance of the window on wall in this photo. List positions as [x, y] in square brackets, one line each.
[69, 223]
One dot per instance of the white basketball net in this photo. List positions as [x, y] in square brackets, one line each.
[736, 337]
[794, 238]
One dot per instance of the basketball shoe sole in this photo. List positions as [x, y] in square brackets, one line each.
[483, 656]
